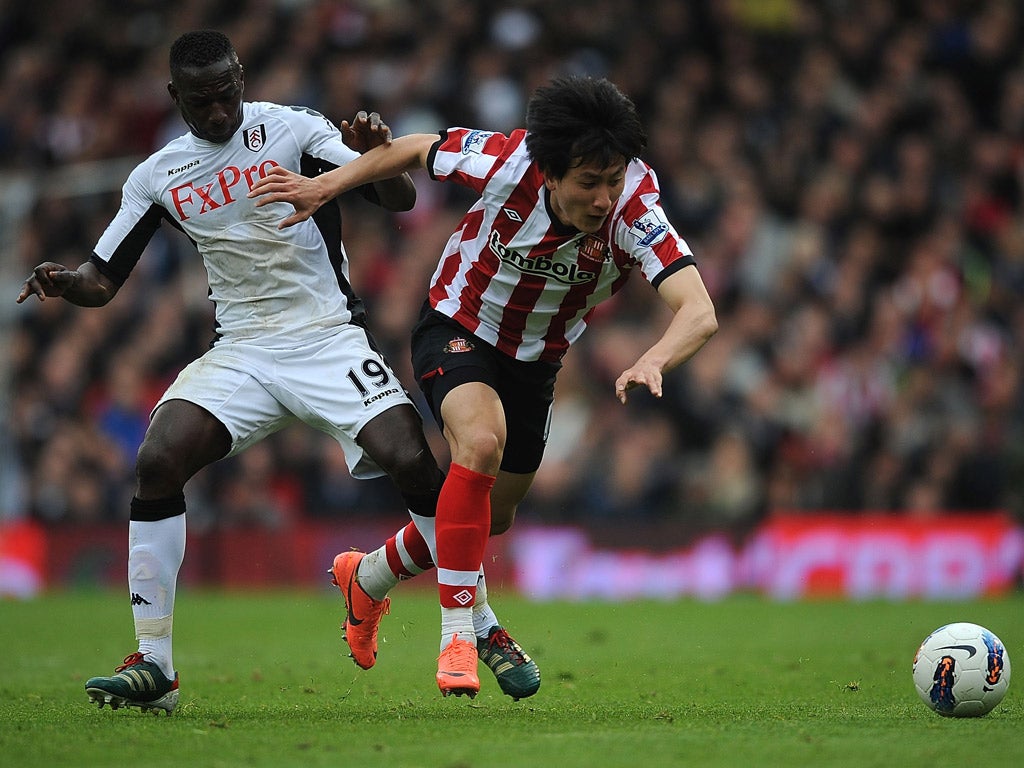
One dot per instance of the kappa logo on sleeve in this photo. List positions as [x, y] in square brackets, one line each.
[473, 142]
[650, 228]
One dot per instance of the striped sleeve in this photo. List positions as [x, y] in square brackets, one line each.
[646, 234]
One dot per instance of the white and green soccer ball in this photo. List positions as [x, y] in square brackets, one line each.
[961, 670]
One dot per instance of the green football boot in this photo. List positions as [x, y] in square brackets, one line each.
[136, 683]
[516, 672]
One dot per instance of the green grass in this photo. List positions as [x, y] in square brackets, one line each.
[264, 682]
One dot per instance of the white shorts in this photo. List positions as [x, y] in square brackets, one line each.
[336, 384]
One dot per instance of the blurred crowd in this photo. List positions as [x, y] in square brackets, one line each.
[849, 174]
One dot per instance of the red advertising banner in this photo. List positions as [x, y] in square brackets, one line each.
[885, 556]
[789, 557]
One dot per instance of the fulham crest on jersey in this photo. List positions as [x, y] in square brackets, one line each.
[255, 137]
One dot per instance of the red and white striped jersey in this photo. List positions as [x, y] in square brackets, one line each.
[514, 275]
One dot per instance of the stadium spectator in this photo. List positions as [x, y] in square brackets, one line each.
[863, 102]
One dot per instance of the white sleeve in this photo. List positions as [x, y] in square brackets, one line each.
[132, 227]
[319, 137]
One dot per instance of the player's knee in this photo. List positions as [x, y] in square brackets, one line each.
[160, 471]
[152, 462]
[502, 519]
[414, 472]
[482, 448]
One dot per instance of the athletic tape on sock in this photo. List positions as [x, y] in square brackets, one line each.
[153, 628]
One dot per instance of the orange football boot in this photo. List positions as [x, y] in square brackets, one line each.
[362, 612]
[456, 669]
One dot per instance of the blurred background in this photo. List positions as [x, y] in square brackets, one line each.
[847, 172]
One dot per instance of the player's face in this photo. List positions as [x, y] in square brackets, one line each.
[210, 99]
[585, 196]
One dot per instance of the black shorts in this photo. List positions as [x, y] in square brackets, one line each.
[445, 355]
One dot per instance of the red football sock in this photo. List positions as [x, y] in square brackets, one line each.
[408, 553]
[463, 525]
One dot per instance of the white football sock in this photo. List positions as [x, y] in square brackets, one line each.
[155, 553]
[483, 615]
[427, 531]
[456, 621]
[375, 575]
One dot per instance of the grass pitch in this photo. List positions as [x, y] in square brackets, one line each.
[265, 682]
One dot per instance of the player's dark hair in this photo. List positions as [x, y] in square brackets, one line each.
[581, 120]
[200, 49]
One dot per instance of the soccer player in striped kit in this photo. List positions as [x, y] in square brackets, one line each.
[567, 211]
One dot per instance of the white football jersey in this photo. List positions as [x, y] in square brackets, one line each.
[270, 286]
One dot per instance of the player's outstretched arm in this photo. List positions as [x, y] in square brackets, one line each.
[693, 323]
[383, 162]
[84, 286]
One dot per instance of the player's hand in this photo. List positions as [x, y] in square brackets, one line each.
[365, 132]
[48, 279]
[641, 374]
[283, 186]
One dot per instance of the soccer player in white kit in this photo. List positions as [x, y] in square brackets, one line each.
[566, 213]
[291, 341]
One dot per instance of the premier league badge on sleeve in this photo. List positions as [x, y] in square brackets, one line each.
[649, 229]
[473, 142]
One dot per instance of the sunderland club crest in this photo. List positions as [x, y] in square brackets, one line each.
[458, 344]
[592, 252]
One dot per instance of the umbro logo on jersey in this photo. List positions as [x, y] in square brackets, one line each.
[255, 138]
[138, 599]
[514, 215]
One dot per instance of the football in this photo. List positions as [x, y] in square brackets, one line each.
[961, 670]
